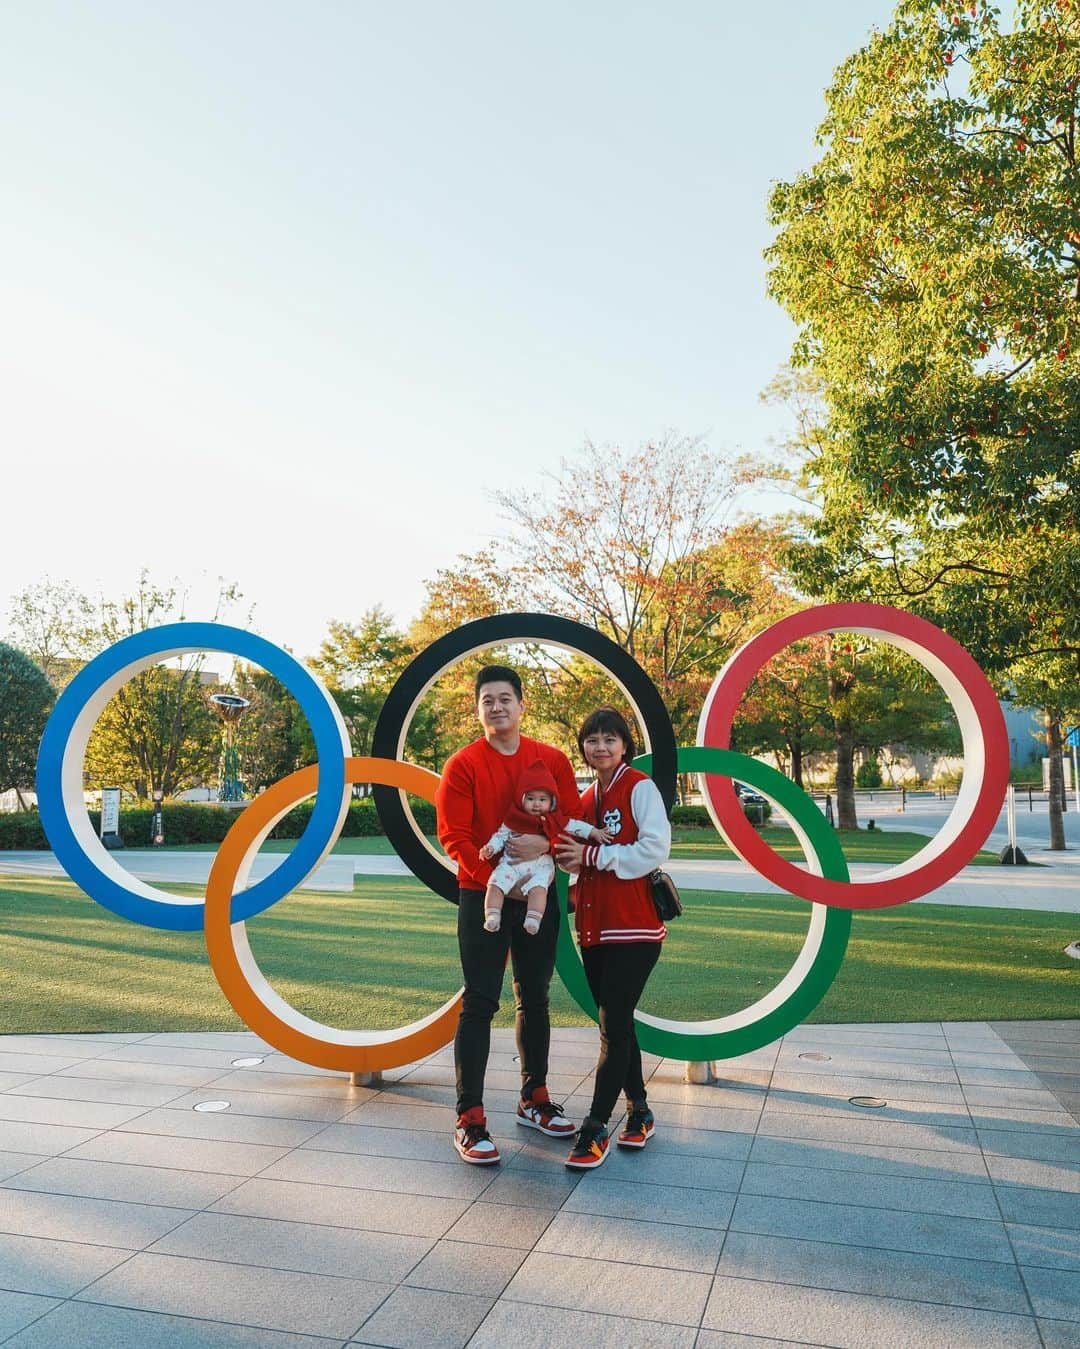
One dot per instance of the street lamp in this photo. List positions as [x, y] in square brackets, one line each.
[157, 822]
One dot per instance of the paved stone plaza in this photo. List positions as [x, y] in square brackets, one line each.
[768, 1210]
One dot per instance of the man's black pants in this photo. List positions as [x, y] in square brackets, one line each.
[617, 973]
[483, 963]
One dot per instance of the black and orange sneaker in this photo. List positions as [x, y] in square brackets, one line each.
[638, 1129]
[472, 1140]
[590, 1147]
[539, 1111]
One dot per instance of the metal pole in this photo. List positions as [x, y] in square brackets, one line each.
[1010, 798]
[1075, 780]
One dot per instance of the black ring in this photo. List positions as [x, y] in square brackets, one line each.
[388, 740]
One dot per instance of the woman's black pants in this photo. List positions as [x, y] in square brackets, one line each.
[617, 973]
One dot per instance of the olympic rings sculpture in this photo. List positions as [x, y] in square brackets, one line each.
[229, 901]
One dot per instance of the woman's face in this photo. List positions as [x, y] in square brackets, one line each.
[604, 750]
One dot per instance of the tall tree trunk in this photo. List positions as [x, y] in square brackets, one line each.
[845, 774]
[796, 762]
[1057, 782]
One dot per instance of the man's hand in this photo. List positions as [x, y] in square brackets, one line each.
[526, 847]
[569, 853]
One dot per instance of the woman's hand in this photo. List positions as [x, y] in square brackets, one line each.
[569, 853]
[526, 847]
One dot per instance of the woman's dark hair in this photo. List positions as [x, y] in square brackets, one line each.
[606, 719]
[497, 674]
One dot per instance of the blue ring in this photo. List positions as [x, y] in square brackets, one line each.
[331, 745]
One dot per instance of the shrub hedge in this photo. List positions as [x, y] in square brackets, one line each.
[189, 823]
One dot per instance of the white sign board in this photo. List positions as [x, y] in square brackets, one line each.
[110, 810]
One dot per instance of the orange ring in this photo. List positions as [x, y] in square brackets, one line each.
[243, 983]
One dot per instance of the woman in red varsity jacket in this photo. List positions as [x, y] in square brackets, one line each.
[617, 924]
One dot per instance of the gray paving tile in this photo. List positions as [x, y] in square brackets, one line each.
[224, 1127]
[1039, 1208]
[79, 1114]
[1059, 1334]
[272, 1298]
[1038, 1175]
[719, 1097]
[531, 1189]
[380, 1114]
[1055, 1293]
[310, 1248]
[1036, 1146]
[862, 1130]
[422, 1144]
[868, 1068]
[336, 1206]
[145, 1094]
[501, 1225]
[659, 1168]
[184, 1154]
[463, 1267]
[10, 1080]
[46, 1140]
[805, 1035]
[61, 1046]
[53, 1268]
[679, 1141]
[274, 1104]
[113, 1071]
[420, 1318]
[299, 1084]
[661, 1245]
[870, 1158]
[671, 1295]
[954, 1198]
[36, 1063]
[651, 1203]
[447, 1180]
[221, 1059]
[989, 1284]
[99, 1222]
[1017, 1098]
[81, 1325]
[19, 1309]
[1026, 1121]
[902, 1059]
[1049, 1247]
[115, 1180]
[1014, 1078]
[951, 1114]
[11, 1163]
[711, 1118]
[875, 1228]
[821, 1084]
[530, 1327]
[854, 1320]
[240, 1041]
[720, 1339]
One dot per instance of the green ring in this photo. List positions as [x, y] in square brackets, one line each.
[823, 950]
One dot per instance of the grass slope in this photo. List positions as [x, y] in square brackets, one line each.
[388, 955]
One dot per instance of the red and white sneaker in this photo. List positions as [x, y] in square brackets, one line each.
[472, 1140]
[590, 1148]
[638, 1129]
[541, 1112]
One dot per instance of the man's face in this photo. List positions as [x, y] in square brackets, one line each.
[537, 803]
[498, 707]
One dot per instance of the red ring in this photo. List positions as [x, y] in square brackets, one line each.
[981, 722]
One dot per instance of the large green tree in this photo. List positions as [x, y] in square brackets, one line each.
[931, 258]
[26, 698]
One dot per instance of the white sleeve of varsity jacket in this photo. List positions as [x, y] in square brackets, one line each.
[630, 860]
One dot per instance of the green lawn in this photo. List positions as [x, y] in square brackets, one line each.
[860, 845]
[388, 954]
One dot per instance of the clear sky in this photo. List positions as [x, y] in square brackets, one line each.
[288, 288]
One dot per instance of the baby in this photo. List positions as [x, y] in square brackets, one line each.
[536, 814]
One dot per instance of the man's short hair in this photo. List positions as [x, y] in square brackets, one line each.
[497, 674]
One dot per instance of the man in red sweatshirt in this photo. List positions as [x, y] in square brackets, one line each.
[470, 803]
